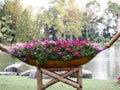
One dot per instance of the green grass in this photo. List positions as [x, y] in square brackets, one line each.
[24, 83]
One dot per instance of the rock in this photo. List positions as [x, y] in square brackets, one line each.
[85, 74]
[31, 73]
[26, 73]
[14, 68]
[8, 73]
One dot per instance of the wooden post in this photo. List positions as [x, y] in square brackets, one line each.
[39, 79]
[70, 72]
[79, 78]
[64, 80]
[59, 77]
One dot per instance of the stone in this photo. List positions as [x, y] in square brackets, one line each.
[25, 73]
[30, 73]
[85, 74]
[17, 67]
[33, 74]
[8, 73]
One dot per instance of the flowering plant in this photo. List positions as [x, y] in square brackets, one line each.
[118, 79]
[42, 51]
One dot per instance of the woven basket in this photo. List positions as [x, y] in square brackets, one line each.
[61, 64]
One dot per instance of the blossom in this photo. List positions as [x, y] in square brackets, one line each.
[24, 59]
[68, 49]
[118, 78]
[77, 54]
[41, 51]
[59, 53]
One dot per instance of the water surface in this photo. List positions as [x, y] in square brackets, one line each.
[106, 65]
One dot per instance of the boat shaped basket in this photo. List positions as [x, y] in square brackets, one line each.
[61, 64]
[66, 64]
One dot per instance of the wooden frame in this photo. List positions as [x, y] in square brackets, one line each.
[59, 77]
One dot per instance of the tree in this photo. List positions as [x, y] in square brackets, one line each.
[91, 20]
[111, 12]
[10, 11]
[24, 26]
[7, 24]
[13, 8]
[39, 24]
[17, 24]
[109, 20]
[64, 17]
[1, 9]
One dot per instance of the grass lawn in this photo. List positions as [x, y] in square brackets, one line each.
[24, 83]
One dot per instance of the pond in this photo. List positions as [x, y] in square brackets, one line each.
[106, 65]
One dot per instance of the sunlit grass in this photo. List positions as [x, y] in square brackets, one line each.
[24, 83]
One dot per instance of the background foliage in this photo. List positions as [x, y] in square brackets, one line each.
[62, 20]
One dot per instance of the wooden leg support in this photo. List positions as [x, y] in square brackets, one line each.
[39, 79]
[56, 78]
[79, 78]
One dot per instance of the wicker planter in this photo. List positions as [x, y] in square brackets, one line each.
[61, 64]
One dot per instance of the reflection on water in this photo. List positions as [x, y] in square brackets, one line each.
[106, 65]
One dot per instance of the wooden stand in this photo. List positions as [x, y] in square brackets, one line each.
[59, 77]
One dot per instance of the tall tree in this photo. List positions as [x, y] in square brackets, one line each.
[91, 19]
[6, 30]
[64, 17]
[24, 24]
[21, 20]
[39, 24]
[111, 12]
[10, 11]
[13, 8]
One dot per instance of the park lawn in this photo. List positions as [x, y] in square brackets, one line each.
[24, 83]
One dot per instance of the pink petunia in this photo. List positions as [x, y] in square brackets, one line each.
[118, 78]
[59, 53]
[68, 49]
[77, 54]
[24, 59]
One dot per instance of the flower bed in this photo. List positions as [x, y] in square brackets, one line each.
[42, 51]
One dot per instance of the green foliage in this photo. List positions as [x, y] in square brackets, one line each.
[110, 20]
[8, 33]
[24, 24]
[91, 20]
[113, 8]
[39, 25]
[16, 23]
[9, 15]
[64, 16]
[13, 8]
